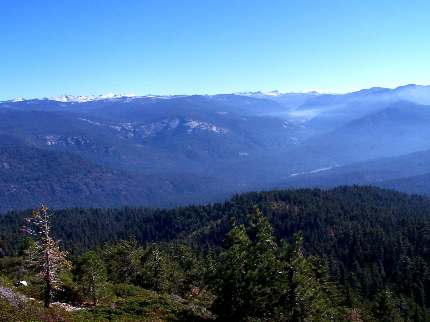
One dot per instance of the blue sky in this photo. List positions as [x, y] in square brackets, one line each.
[83, 47]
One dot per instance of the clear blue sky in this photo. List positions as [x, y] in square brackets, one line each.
[82, 47]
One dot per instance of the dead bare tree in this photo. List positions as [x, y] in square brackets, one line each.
[44, 255]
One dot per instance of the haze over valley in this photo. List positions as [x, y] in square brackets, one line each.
[164, 151]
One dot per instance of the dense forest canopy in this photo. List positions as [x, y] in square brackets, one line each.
[373, 243]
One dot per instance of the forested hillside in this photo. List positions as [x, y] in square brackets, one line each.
[371, 240]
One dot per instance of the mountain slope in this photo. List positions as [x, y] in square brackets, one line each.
[30, 176]
[416, 184]
[398, 129]
[407, 173]
[212, 146]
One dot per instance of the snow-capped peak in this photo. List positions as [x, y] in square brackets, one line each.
[259, 93]
[17, 99]
[275, 93]
[82, 99]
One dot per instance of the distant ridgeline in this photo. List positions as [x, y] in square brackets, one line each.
[152, 151]
[370, 238]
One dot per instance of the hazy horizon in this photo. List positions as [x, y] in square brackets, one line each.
[280, 92]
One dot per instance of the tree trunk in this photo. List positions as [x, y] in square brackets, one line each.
[47, 294]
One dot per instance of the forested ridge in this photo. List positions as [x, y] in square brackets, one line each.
[374, 245]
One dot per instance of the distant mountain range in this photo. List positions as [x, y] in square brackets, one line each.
[113, 150]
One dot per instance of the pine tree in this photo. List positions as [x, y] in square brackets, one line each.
[231, 282]
[44, 254]
[158, 271]
[123, 260]
[257, 280]
[91, 275]
[385, 307]
[306, 291]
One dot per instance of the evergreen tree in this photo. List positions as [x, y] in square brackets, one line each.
[91, 275]
[259, 281]
[385, 308]
[158, 271]
[306, 292]
[231, 285]
[123, 260]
